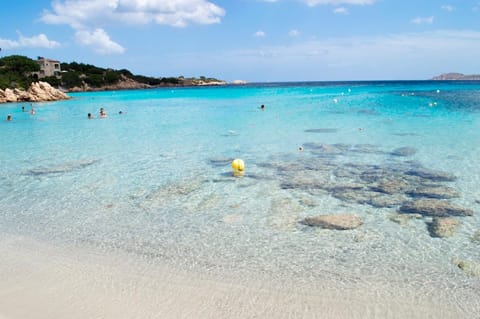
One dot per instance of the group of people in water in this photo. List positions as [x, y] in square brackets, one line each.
[32, 112]
[102, 114]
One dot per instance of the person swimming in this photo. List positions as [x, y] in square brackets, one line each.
[103, 114]
[32, 111]
[262, 107]
[90, 116]
[9, 117]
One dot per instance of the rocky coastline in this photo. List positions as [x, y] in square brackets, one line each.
[37, 92]
[44, 92]
[130, 84]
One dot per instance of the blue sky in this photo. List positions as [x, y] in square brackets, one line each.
[253, 40]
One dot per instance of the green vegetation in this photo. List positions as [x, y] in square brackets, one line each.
[18, 72]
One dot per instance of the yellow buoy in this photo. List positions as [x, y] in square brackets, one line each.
[238, 167]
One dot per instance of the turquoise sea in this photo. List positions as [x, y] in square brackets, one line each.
[155, 183]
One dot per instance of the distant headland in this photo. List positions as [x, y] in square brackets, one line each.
[457, 76]
[19, 73]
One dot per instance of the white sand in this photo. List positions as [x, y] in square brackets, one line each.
[40, 281]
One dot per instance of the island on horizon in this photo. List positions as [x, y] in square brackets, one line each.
[454, 76]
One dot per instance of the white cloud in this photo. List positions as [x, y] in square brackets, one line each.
[80, 14]
[341, 10]
[313, 3]
[259, 34]
[86, 17]
[36, 41]
[398, 56]
[99, 40]
[423, 20]
[294, 33]
[448, 8]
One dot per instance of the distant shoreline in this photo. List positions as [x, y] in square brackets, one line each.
[134, 85]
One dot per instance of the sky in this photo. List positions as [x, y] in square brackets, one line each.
[251, 40]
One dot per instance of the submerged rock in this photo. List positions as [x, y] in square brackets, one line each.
[221, 161]
[437, 176]
[435, 208]
[63, 167]
[366, 149]
[354, 196]
[403, 219]
[469, 267]
[347, 187]
[322, 130]
[386, 201]
[324, 149]
[368, 112]
[443, 227]
[337, 222]
[391, 186]
[434, 192]
[375, 175]
[406, 134]
[476, 237]
[306, 182]
[404, 151]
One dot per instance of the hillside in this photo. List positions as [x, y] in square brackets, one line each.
[20, 71]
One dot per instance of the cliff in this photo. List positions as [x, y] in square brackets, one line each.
[457, 76]
[37, 92]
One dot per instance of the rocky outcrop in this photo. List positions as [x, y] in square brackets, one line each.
[338, 222]
[37, 92]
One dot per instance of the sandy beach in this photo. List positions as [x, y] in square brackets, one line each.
[42, 281]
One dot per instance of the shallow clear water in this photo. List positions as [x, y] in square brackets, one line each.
[156, 180]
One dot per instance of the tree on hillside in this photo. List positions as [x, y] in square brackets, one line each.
[19, 64]
[16, 71]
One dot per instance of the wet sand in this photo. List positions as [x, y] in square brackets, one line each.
[42, 281]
